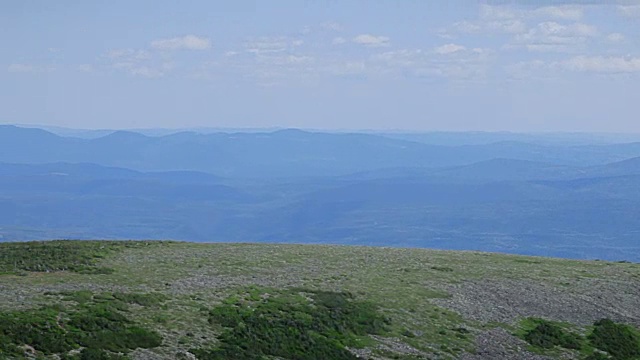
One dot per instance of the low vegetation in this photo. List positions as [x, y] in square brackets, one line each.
[95, 327]
[175, 300]
[63, 255]
[548, 334]
[619, 340]
[606, 340]
[296, 324]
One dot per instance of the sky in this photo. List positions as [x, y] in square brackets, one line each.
[522, 66]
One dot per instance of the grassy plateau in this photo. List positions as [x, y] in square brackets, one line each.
[173, 300]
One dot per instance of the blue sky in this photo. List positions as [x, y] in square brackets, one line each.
[414, 65]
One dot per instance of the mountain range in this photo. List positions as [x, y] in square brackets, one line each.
[576, 201]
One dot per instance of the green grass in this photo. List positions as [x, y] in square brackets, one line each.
[52, 256]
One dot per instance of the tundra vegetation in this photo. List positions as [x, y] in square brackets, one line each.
[168, 300]
[605, 339]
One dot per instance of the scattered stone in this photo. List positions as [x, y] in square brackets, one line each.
[498, 344]
[508, 301]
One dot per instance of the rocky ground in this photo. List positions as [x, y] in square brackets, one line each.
[506, 301]
[499, 344]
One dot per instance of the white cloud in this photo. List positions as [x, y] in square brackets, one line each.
[20, 68]
[449, 49]
[305, 30]
[460, 65]
[506, 12]
[128, 54]
[349, 69]
[266, 61]
[147, 71]
[549, 47]
[402, 58]
[466, 27]
[332, 26]
[29, 68]
[338, 41]
[85, 68]
[302, 59]
[565, 12]
[584, 64]
[138, 63]
[188, 42]
[276, 61]
[576, 29]
[615, 37]
[506, 19]
[268, 45]
[601, 64]
[371, 40]
[632, 11]
[491, 12]
[553, 36]
[285, 60]
[507, 26]
[527, 69]
[491, 19]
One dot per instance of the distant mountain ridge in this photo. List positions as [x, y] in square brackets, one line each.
[284, 153]
[447, 138]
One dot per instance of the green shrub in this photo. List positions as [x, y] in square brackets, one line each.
[38, 328]
[547, 335]
[442, 268]
[620, 341]
[597, 356]
[97, 354]
[81, 297]
[613, 341]
[99, 327]
[104, 327]
[408, 333]
[298, 324]
[141, 299]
